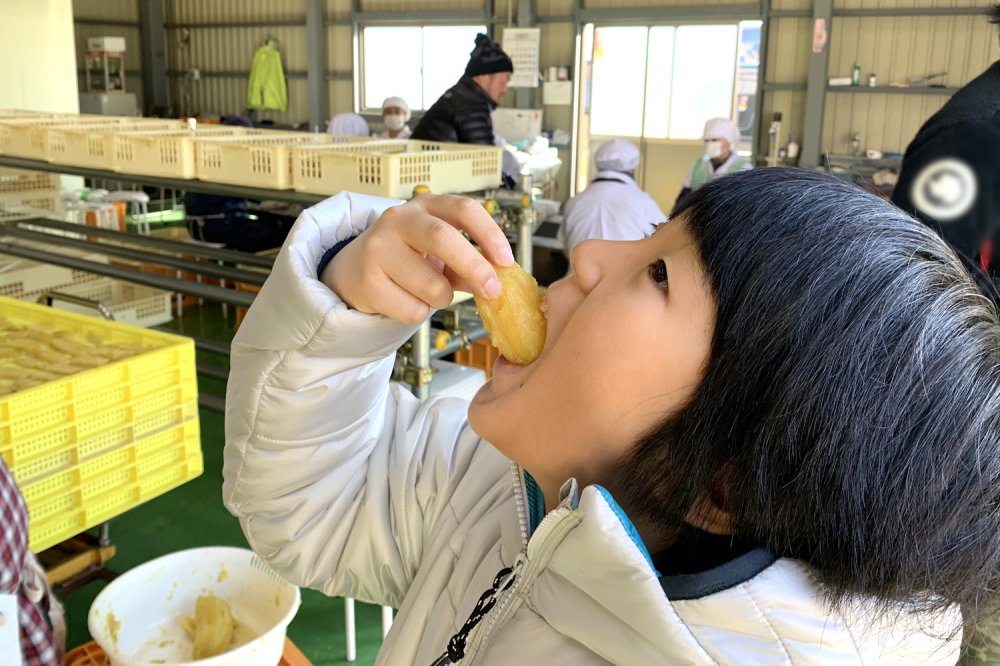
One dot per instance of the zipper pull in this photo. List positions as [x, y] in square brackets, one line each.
[456, 645]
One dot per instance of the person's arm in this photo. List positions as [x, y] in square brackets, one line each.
[339, 478]
[951, 183]
[474, 123]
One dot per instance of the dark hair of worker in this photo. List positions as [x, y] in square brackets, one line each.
[849, 415]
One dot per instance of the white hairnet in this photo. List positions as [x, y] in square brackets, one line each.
[348, 124]
[400, 102]
[722, 128]
[617, 155]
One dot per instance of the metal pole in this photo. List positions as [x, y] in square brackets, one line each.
[155, 94]
[525, 19]
[199, 268]
[212, 293]
[758, 103]
[165, 244]
[316, 65]
[525, 230]
[812, 134]
[420, 357]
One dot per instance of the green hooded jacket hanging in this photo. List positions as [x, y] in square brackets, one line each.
[267, 80]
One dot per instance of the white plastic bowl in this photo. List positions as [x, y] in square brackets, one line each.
[137, 618]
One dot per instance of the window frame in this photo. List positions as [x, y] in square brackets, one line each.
[360, 65]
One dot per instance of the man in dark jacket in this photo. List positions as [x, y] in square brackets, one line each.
[951, 171]
[463, 113]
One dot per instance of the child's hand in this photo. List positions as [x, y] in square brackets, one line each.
[414, 258]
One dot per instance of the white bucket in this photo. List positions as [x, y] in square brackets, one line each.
[137, 618]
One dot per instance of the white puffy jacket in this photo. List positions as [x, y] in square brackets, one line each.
[348, 484]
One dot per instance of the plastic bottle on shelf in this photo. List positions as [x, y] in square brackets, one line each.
[793, 148]
[856, 75]
[872, 80]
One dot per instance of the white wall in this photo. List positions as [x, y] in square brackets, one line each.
[38, 56]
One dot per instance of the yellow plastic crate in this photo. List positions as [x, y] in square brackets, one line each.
[257, 161]
[99, 442]
[26, 136]
[394, 168]
[168, 153]
[91, 145]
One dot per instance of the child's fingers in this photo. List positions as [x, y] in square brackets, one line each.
[469, 216]
[420, 277]
[437, 237]
[396, 302]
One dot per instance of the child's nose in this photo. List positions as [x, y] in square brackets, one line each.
[590, 261]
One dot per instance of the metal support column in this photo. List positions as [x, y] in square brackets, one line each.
[155, 94]
[316, 65]
[758, 105]
[812, 135]
[525, 19]
[420, 360]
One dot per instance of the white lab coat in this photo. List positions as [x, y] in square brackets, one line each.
[404, 133]
[613, 207]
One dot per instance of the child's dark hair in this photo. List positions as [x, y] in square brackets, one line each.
[851, 403]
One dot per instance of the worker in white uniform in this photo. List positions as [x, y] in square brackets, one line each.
[348, 124]
[395, 115]
[721, 138]
[613, 207]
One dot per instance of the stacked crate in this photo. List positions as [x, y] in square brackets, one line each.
[90, 436]
[25, 194]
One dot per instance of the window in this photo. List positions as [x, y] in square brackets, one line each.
[665, 81]
[413, 62]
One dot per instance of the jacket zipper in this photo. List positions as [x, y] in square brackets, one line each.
[522, 505]
[530, 565]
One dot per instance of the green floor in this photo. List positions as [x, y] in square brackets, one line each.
[193, 515]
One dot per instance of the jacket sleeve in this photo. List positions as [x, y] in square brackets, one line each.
[338, 477]
[474, 124]
[936, 174]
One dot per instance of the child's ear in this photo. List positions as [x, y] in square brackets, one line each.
[709, 513]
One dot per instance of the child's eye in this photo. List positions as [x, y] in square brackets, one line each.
[658, 273]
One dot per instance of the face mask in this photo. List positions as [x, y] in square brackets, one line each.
[713, 149]
[395, 121]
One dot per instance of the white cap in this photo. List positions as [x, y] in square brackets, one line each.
[348, 124]
[617, 155]
[722, 128]
[400, 102]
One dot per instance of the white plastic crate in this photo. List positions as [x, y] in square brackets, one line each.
[394, 168]
[168, 153]
[91, 145]
[20, 181]
[26, 280]
[257, 161]
[26, 205]
[26, 136]
[130, 303]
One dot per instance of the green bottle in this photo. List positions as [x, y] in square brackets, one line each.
[856, 75]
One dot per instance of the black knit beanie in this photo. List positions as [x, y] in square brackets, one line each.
[487, 58]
